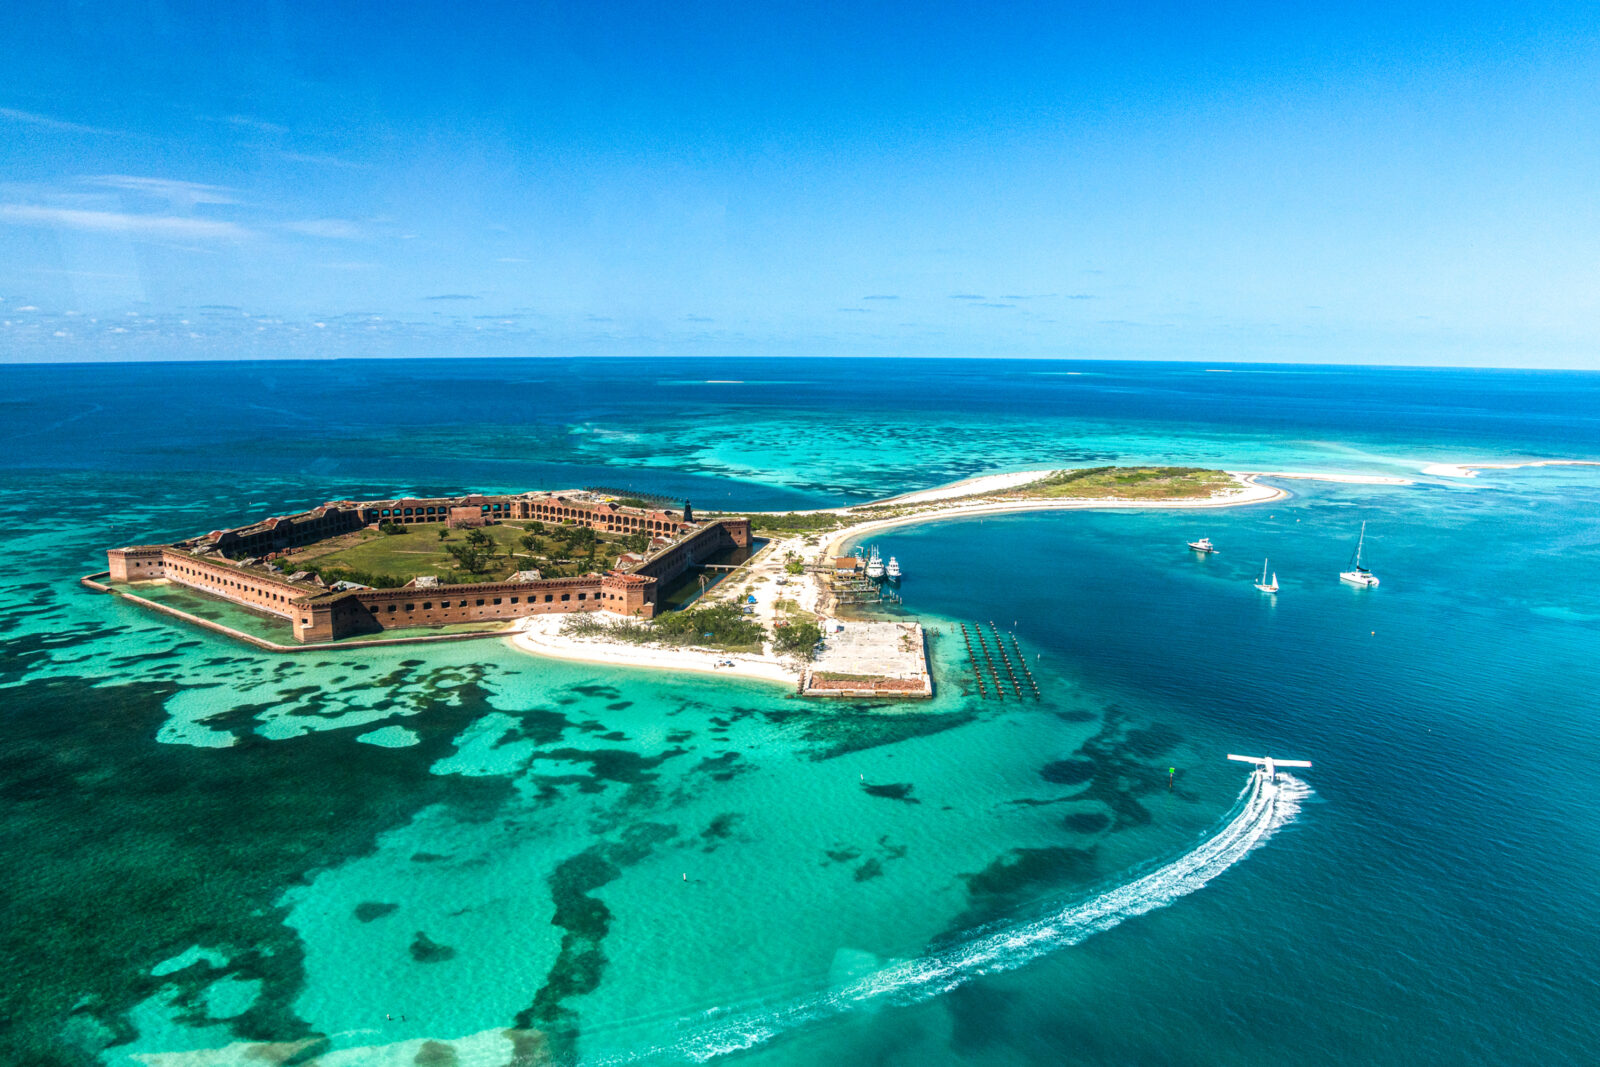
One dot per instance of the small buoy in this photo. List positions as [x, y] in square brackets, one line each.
[1374, 633]
[685, 876]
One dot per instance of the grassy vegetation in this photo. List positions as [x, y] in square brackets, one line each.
[378, 559]
[721, 626]
[798, 639]
[795, 522]
[1128, 483]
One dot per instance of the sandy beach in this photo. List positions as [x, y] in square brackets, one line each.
[542, 636]
[1248, 492]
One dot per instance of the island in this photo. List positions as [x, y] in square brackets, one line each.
[616, 578]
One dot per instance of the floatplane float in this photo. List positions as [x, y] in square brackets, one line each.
[1267, 766]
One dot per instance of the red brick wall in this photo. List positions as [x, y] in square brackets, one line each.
[136, 564]
[232, 583]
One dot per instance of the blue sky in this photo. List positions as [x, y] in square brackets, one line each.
[1339, 183]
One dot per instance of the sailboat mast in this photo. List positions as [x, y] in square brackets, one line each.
[1359, 542]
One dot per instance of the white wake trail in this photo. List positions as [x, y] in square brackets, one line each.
[1263, 807]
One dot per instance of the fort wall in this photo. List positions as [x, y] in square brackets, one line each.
[320, 615]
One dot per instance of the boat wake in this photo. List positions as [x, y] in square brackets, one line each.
[1261, 809]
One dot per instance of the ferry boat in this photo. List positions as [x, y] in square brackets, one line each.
[1203, 545]
[874, 564]
[1264, 585]
[1357, 574]
[892, 571]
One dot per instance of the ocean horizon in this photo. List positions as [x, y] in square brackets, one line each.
[464, 854]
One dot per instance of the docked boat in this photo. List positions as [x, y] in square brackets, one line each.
[874, 564]
[1203, 545]
[1264, 585]
[892, 570]
[1357, 574]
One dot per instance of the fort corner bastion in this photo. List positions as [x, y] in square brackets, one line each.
[246, 565]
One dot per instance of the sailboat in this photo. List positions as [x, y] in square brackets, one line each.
[1264, 585]
[1357, 574]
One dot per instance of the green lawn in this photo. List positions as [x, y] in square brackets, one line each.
[419, 551]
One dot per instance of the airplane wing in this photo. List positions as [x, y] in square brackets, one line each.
[1254, 759]
[1292, 762]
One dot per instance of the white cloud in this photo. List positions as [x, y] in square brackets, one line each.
[178, 193]
[335, 229]
[319, 160]
[119, 222]
[245, 122]
[49, 123]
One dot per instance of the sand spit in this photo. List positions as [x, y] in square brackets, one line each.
[1470, 470]
[1248, 491]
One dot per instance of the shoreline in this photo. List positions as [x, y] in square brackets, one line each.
[1251, 492]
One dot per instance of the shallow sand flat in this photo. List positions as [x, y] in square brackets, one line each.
[1470, 470]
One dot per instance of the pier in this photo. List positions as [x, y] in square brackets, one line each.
[871, 659]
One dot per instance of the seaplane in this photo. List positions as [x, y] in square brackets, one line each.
[1269, 766]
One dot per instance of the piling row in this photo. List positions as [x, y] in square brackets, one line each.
[994, 672]
[1000, 647]
[972, 660]
[1022, 661]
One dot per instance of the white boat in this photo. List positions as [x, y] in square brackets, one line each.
[874, 564]
[1357, 574]
[1203, 545]
[892, 571]
[1264, 585]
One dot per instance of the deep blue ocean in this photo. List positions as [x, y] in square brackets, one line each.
[464, 855]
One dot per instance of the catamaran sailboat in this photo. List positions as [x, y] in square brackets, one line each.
[874, 564]
[1264, 585]
[892, 571]
[1357, 574]
[1203, 545]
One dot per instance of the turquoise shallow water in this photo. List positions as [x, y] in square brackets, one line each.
[460, 854]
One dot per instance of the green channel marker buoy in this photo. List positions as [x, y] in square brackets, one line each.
[1170, 772]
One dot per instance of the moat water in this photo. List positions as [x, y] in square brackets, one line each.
[459, 854]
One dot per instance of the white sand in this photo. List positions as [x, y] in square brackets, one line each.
[988, 483]
[541, 635]
[1350, 479]
[1470, 470]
